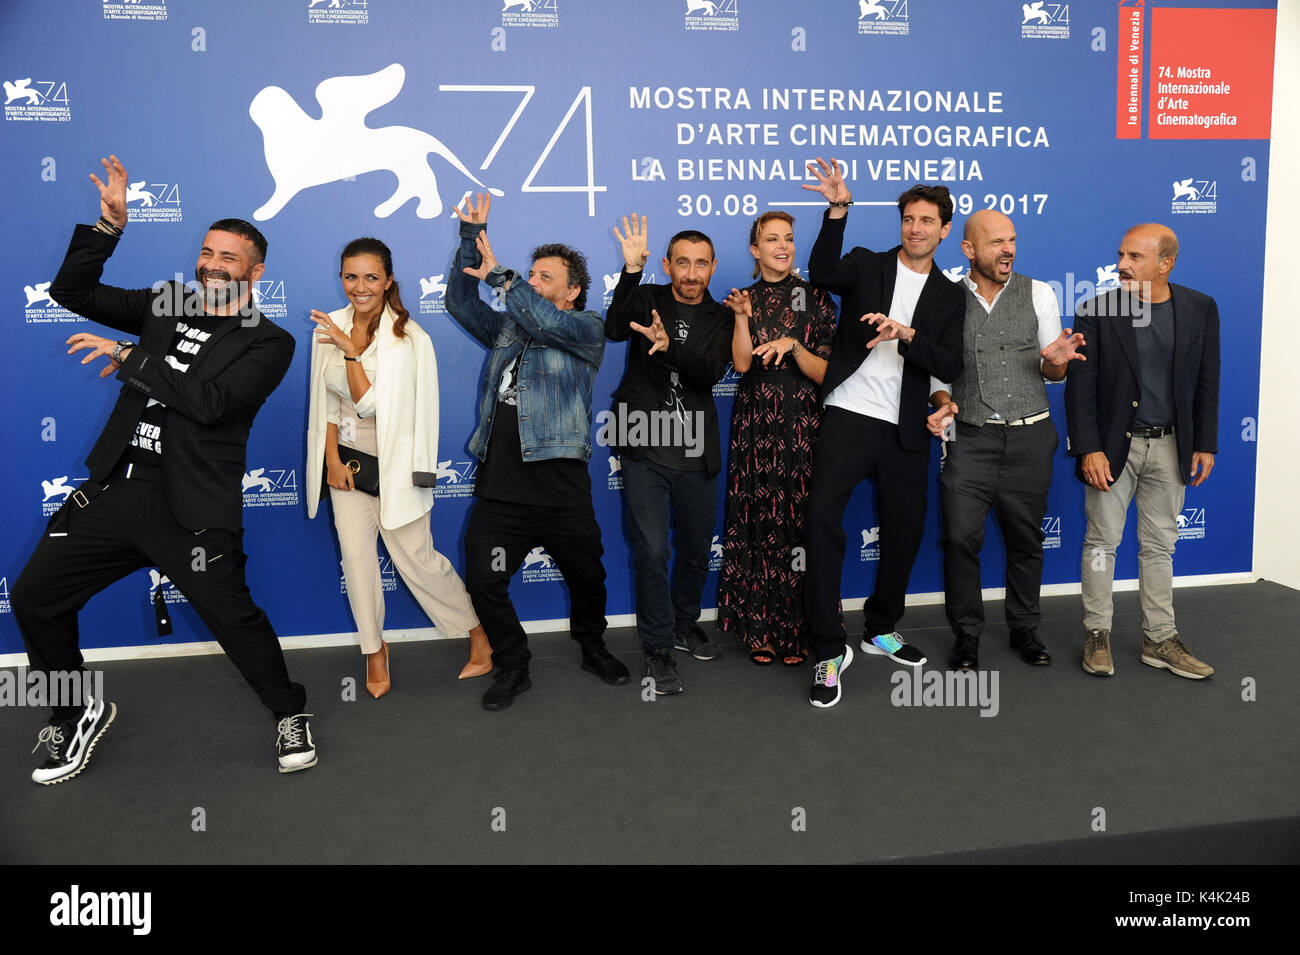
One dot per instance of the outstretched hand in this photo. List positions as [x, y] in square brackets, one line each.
[888, 330]
[1064, 349]
[489, 261]
[98, 346]
[654, 332]
[112, 197]
[478, 212]
[635, 243]
[739, 302]
[830, 183]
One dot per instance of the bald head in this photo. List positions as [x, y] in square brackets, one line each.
[1146, 257]
[989, 241]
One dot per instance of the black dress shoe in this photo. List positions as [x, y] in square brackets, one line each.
[965, 653]
[600, 661]
[506, 685]
[1030, 648]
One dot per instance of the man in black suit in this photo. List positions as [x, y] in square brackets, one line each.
[665, 426]
[900, 324]
[1143, 415]
[165, 485]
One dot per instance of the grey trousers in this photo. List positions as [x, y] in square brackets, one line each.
[1151, 475]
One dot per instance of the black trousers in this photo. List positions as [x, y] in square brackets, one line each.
[499, 537]
[852, 447]
[1009, 470]
[129, 525]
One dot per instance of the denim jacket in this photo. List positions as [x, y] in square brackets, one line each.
[562, 350]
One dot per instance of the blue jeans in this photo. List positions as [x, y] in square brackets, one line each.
[654, 494]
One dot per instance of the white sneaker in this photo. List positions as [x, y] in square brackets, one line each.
[294, 745]
[70, 744]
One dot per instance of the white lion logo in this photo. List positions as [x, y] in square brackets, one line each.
[256, 479]
[538, 556]
[334, 4]
[1182, 520]
[156, 580]
[1034, 11]
[955, 273]
[611, 282]
[433, 285]
[695, 6]
[715, 549]
[869, 7]
[1108, 276]
[445, 470]
[38, 294]
[136, 191]
[1184, 189]
[58, 486]
[527, 5]
[302, 152]
[21, 89]
[615, 464]
[870, 536]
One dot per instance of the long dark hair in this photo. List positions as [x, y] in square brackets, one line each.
[392, 296]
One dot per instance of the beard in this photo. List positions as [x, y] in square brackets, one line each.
[218, 296]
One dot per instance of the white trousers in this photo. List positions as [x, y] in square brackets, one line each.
[432, 579]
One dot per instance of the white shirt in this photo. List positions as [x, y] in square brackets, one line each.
[874, 389]
[1046, 307]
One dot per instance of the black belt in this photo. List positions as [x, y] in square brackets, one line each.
[1151, 432]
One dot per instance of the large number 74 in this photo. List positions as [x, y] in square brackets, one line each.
[583, 98]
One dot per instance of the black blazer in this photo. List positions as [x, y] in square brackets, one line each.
[700, 361]
[210, 408]
[864, 280]
[1101, 394]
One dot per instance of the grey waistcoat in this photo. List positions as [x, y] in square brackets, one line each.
[1003, 372]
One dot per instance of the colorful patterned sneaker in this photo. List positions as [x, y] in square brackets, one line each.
[70, 743]
[1172, 655]
[294, 746]
[826, 679]
[893, 646]
[1096, 654]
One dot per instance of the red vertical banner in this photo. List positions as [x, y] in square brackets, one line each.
[1129, 71]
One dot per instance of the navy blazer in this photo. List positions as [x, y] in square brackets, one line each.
[210, 408]
[1102, 393]
[864, 280]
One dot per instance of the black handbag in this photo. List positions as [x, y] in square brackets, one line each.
[364, 468]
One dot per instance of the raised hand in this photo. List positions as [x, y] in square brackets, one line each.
[112, 197]
[1064, 349]
[654, 332]
[942, 418]
[489, 259]
[888, 329]
[331, 333]
[98, 346]
[478, 212]
[740, 304]
[633, 239]
[829, 181]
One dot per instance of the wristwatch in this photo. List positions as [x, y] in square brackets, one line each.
[117, 350]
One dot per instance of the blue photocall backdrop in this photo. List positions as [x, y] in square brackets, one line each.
[326, 120]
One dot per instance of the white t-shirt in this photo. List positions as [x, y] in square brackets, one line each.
[874, 389]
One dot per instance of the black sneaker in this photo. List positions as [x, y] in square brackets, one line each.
[598, 660]
[506, 685]
[694, 642]
[826, 679]
[293, 743]
[893, 646]
[662, 671]
[70, 743]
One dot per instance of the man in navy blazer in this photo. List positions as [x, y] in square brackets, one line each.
[1143, 414]
[900, 322]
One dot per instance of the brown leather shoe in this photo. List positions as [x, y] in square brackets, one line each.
[1172, 655]
[1096, 654]
[378, 680]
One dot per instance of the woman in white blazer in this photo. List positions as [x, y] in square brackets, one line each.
[374, 389]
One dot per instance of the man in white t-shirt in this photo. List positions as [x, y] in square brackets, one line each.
[900, 324]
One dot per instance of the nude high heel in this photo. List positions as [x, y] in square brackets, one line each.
[378, 679]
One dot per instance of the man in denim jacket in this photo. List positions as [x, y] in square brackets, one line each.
[533, 441]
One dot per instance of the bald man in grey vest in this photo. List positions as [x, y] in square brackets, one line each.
[997, 420]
